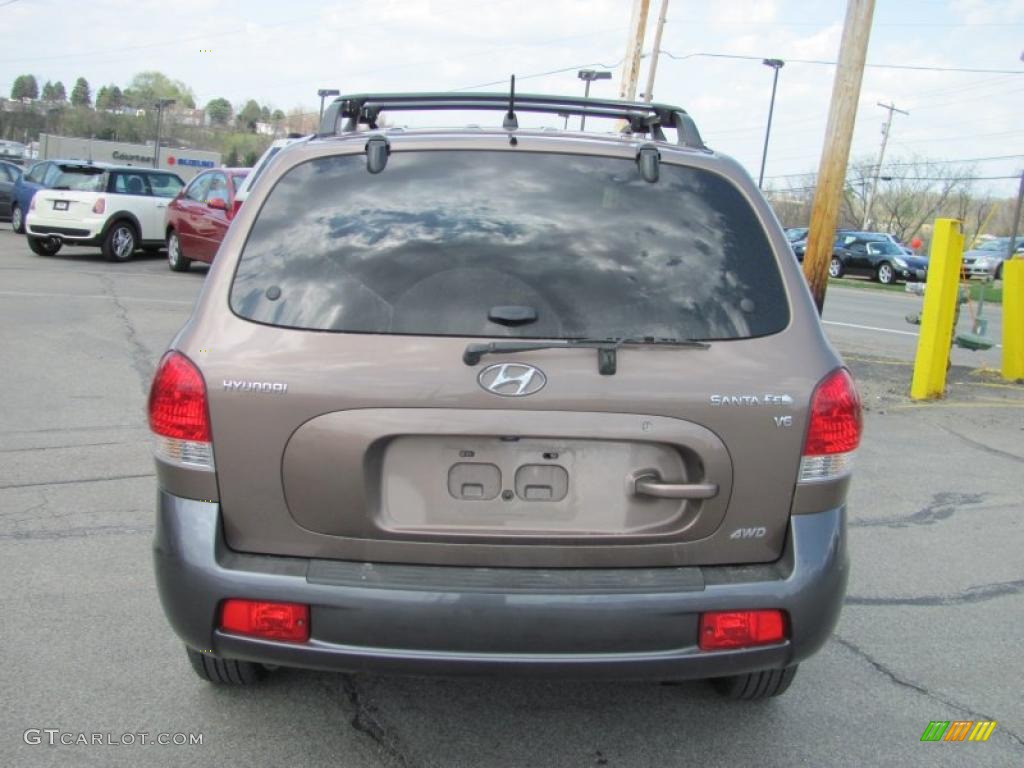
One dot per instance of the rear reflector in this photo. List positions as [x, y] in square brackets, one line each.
[833, 430]
[178, 414]
[740, 629]
[274, 621]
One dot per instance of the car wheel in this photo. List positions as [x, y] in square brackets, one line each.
[835, 268]
[45, 246]
[175, 259]
[220, 671]
[885, 273]
[999, 272]
[120, 242]
[17, 220]
[756, 685]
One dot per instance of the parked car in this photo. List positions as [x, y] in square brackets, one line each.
[504, 400]
[41, 175]
[876, 255]
[199, 217]
[261, 165]
[9, 175]
[797, 237]
[987, 259]
[118, 209]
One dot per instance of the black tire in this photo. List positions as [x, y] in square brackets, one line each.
[45, 246]
[220, 671]
[999, 272]
[176, 260]
[17, 220]
[756, 685]
[835, 267]
[120, 242]
[885, 274]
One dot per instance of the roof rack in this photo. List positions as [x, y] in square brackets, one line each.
[641, 117]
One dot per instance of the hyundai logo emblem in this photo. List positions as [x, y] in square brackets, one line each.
[512, 379]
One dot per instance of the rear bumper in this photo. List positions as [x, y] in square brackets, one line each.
[628, 624]
[87, 231]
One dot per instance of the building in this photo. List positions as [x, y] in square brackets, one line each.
[185, 162]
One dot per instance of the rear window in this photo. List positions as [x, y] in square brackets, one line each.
[81, 179]
[431, 244]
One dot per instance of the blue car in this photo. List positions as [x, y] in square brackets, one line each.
[41, 175]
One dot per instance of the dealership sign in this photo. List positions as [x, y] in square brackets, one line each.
[132, 158]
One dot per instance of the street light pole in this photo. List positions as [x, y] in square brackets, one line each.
[160, 104]
[776, 65]
[324, 93]
[588, 76]
[655, 54]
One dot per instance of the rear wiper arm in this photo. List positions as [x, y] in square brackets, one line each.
[606, 357]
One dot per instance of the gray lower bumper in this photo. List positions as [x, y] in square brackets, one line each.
[631, 624]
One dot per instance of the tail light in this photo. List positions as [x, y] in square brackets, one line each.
[100, 206]
[179, 415]
[274, 621]
[834, 429]
[721, 630]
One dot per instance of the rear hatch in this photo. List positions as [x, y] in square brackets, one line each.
[347, 424]
[73, 195]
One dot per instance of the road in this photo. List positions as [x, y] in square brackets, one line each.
[872, 321]
[930, 630]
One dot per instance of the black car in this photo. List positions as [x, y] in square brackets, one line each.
[9, 174]
[797, 237]
[876, 255]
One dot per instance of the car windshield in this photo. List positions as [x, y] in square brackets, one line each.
[165, 184]
[81, 179]
[435, 242]
[993, 245]
[885, 247]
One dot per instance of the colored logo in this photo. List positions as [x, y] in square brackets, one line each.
[171, 160]
[958, 730]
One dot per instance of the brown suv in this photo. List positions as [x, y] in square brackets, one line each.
[499, 400]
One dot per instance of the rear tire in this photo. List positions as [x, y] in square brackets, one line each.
[756, 685]
[17, 220]
[45, 246]
[175, 258]
[885, 273]
[999, 272]
[120, 242]
[835, 268]
[214, 669]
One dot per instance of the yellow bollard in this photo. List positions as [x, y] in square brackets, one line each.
[940, 301]
[1013, 319]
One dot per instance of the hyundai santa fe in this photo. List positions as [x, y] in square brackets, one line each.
[500, 400]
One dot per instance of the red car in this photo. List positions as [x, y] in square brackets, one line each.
[199, 216]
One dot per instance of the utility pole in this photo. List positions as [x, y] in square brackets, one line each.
[634, 47]
[655, 54]
[886, 127]
[842, 115]
[160, 105]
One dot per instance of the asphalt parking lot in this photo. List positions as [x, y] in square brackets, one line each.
[930, 631]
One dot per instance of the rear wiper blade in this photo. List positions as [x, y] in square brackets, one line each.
[606, 357]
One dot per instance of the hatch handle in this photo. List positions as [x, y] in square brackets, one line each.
[651, 485]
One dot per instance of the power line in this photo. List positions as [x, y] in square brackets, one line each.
[574, 67]
[920, 67]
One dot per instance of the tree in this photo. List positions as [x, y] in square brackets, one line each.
[80, 94]
[249, 115]
[265, 113]
[231, 161]
[102, 98]
[277, 116]
[146, 87]
[59, 92]
[250, 159]
[25, 87]
[219, 111]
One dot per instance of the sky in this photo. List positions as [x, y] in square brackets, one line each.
[280, 53]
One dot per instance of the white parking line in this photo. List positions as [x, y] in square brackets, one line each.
[868, 328]
[32, 294]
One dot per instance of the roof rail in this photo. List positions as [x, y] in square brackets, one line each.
[641, 117]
